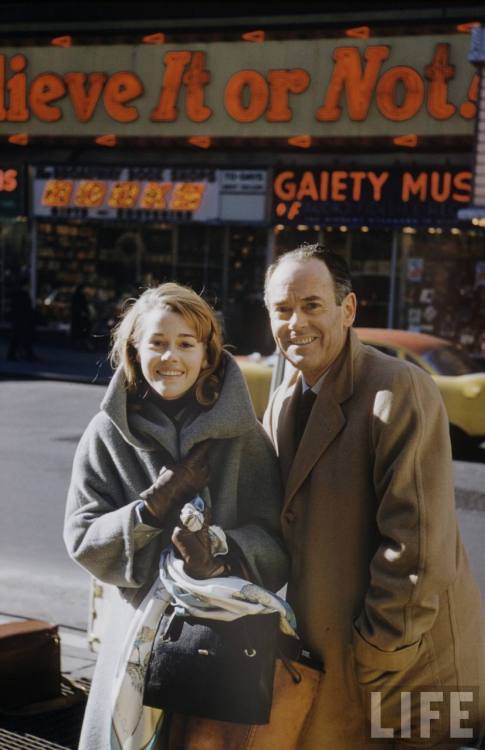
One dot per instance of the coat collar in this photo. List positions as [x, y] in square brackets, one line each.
[325, 422]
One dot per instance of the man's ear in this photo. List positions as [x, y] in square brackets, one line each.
[349, 309]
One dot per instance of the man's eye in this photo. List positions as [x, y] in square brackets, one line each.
[312, 306]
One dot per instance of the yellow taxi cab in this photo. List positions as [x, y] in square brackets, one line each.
[455, 373]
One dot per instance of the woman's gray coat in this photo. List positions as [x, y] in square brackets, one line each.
[121, 454]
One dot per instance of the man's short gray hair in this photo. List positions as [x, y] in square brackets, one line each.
[336, 265]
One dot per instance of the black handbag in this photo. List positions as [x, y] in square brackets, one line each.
[212, 668]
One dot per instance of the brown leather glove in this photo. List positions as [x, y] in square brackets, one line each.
[194, 547]
[178, 484]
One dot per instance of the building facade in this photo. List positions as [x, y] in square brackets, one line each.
[197, 150]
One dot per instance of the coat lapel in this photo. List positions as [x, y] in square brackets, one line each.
[283, 427]
[324, 424]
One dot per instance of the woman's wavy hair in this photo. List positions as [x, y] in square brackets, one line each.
[195, 311]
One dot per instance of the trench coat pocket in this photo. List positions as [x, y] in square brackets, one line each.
[387, 678]
[374, 658]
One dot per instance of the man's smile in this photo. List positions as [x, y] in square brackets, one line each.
[302, 340]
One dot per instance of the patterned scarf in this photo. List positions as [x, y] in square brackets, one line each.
[135, 726]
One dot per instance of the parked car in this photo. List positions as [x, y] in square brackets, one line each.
[258, 374]
[461, 385]
[457, 375]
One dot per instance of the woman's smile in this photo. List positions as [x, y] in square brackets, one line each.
[170, 354]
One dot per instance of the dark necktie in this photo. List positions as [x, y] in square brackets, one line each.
[307, 399]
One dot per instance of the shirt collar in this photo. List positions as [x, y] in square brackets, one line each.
[316, 388]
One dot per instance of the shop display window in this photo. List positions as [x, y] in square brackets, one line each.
[370, 266]
[200, 259]
[14, 262]
[246, 322]
[443, 285]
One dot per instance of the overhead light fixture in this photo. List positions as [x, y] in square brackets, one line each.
[62, 41]
[410, 140]
[157, 38]
[19, 139]
[409, 230]
[302, 227]
[254, 36]
[465, 28]
[343, 228]
[358, 32]
[364, 229]
[201, 141]
[455, 230]
[109, 140]
[302, 141]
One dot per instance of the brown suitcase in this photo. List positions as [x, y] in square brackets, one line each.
[30, 663]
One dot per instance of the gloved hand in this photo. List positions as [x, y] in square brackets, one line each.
[178, 484]
[195, 549]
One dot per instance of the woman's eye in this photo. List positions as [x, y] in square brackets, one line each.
[186, 345]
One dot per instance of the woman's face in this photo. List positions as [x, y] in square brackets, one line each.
[170, 355]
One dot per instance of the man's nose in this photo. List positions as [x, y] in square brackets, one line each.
[297, 320]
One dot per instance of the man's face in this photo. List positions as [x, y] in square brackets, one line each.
[308, 326]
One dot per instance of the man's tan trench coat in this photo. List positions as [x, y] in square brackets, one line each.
[380, 581]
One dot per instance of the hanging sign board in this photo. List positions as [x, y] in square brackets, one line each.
[360, 196]
[383, 86]
[150, 194]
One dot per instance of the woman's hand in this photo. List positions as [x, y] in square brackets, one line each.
[179, 484]
[193, 542]
[195, 549]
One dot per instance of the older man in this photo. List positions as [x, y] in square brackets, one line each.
[380, 580]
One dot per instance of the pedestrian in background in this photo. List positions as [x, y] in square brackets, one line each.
[80, 319]
[380, 581]
[22, 319]
[176, 421]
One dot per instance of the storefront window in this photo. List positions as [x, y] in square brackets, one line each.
[443, 284]
[370, 266]
[246, 321]
[14, 262]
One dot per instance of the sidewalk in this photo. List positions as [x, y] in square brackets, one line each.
[57, 361]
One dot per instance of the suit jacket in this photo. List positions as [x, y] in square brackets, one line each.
[380, 580]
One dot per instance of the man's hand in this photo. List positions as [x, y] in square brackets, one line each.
[178, 484]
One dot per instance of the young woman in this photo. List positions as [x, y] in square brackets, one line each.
[176, 421]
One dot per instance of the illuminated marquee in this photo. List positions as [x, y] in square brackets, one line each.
[183, 196]
[213, 195]
[319, 87]
[387, 196]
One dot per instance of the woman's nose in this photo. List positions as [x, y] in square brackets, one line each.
[167, 354]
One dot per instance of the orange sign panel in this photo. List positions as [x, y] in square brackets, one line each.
[90, 194]
[57, 193]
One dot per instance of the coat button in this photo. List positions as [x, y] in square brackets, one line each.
[290, 516]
